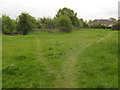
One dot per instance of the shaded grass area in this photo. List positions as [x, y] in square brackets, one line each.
[35, 60]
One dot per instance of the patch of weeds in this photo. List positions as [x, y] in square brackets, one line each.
[104, 69]
[23, 57]
[100, 85]
[102, 57]
[10, 70]
[50, 48]
[61, 53]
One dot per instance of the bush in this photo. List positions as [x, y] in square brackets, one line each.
[85, 25]
[64, 23]
[97, 26]
[45, 23]
[8, 25]
[116, 26]
[26, 23]
[71, 14]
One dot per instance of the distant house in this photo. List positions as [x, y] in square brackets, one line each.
[105, 22]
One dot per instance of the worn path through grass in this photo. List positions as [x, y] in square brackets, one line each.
[40, 55]
[68, 78]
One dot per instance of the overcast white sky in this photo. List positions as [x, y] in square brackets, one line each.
[86, 9]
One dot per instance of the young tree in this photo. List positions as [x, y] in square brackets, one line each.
[85, 25]
[81, 23]
[70, 13]
[8, 25]
[90, 22]
[26, 23]
[64, 23]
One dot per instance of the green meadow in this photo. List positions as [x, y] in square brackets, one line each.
[0, 60]
[85, 58]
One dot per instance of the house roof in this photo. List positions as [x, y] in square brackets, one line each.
[106, 22]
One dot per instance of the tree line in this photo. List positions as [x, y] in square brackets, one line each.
[65, 20]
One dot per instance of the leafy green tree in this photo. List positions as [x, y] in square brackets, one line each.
[26, 23]
[70, 13]
[8, 25]
[46, 23]
[85, 25]
[90, 21]
[64, 23]
[116, 26]
[0, 25]
[33, 22]
[112, 19]
[81, 23]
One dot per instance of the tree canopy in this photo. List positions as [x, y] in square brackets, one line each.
[25, 23]
[8, 25]
[71, 14]
[64, 23]
[116, 26]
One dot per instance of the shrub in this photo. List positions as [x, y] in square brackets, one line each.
[45, 23]
[71, 14]
[64, 23]
[85, 25]
[26, 23]
[116, 26]
[8, 25]
[97, 26]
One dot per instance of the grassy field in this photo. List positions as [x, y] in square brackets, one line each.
[0, 60]
[80, 59]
